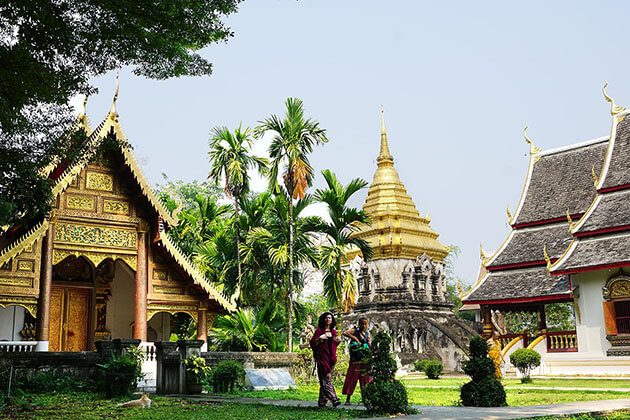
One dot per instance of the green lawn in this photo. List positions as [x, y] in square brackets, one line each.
[91, 406]
[450, 396]
[567, 383]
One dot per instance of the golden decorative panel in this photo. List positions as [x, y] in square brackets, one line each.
[76, 318]
[80, 202]
[99, 181]
[26, 266]
[160, 275]
[96, 236]
[620, 289]
[115, 206]
[21, 282]
[95, 257]
[154, 309]
[28, 303]
[168, 290]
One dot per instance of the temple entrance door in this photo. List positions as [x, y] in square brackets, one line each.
[69, 317]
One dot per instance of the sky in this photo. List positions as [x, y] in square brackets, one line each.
[458, 81]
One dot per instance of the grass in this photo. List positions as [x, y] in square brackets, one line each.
[610, 415]
[449, 396]
[566, 383]
[91, 406]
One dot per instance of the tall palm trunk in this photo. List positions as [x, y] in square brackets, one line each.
[290, 285]
[238, 240]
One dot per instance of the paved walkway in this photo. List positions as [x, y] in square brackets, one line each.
[451, 413]
[543, 388]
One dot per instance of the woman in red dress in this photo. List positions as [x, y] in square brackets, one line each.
[360, 342]
[324, 344]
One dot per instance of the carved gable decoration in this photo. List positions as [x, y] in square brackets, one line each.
[617, 287]
[96, 236]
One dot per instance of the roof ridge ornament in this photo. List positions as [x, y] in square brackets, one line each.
[112, 110]
[482, 256]
[547, 259]
[614, 108]
[570, 220]
[533, 149]
[595, 177]
[509, 215]
[384, 153]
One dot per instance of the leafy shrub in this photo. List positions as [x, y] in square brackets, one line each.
[227, 375]
[121, 373]
[525, 360]
[484, 390]
[197, 369]
[418, 365]
[384, 394]
[386, 397]
[341, 367]
[433, 369]
[303, 368]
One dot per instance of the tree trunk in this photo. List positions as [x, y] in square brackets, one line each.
[290, 284]
[238, 253]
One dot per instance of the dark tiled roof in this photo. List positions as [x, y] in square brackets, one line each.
[613, 210]
[619, 167]
[562, 181]
[597, 251]
[519, 284]
[527, 244]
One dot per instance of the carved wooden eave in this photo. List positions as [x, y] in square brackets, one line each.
[110, 123]
[26, 241]
[198, 278]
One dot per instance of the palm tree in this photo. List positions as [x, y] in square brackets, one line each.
[293, 140]
[274, 236]
[339, 283]
[230, 160]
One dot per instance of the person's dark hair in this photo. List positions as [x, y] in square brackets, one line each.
[321, 322]
[363, 319]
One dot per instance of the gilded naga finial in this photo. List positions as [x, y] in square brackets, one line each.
[595, 176]
[533, 150]
[482, 255]
[509, 215]
[614, 108]
[547, 259]
[570, 220]
[112, 111]
[460, 289]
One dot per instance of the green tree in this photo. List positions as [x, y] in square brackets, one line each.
[50, 51]
[283, 225]
[339, 283]
[294, 137]
[230, 162]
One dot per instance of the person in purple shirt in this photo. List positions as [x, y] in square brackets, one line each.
[324, 344]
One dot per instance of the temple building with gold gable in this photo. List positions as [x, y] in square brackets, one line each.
[402, 289]
[101, 265]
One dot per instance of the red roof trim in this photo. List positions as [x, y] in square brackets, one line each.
[590, 268]
[615, 188]
[549, 298]
[602, 231]
[546, 221]
[525, 264]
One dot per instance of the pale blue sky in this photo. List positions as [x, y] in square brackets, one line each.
[458, 81]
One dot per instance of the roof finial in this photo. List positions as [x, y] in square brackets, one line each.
[614, 108]
[547, 259]
[113, 108]
[570, 220]
[533, 150]
[509, 215]
[595, 177]
[384, 154]
[482, 255]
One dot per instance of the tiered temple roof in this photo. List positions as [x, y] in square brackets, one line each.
[602, 236]
[63, 174]
[397, 229]
[558, 186]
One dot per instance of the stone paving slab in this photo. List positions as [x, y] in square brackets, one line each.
[541, 388]
[453, 413]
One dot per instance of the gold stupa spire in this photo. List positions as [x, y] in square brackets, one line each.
[394, 214]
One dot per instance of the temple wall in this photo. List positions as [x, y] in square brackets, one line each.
[591, 329]
[11, 322]
[390, 270]
[121, 306]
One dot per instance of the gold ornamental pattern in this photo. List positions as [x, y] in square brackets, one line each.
[115, 206]
[99, 181]
[28, 303]
[80, 202]
[95, 257]
[96, 236]
[620, 289]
